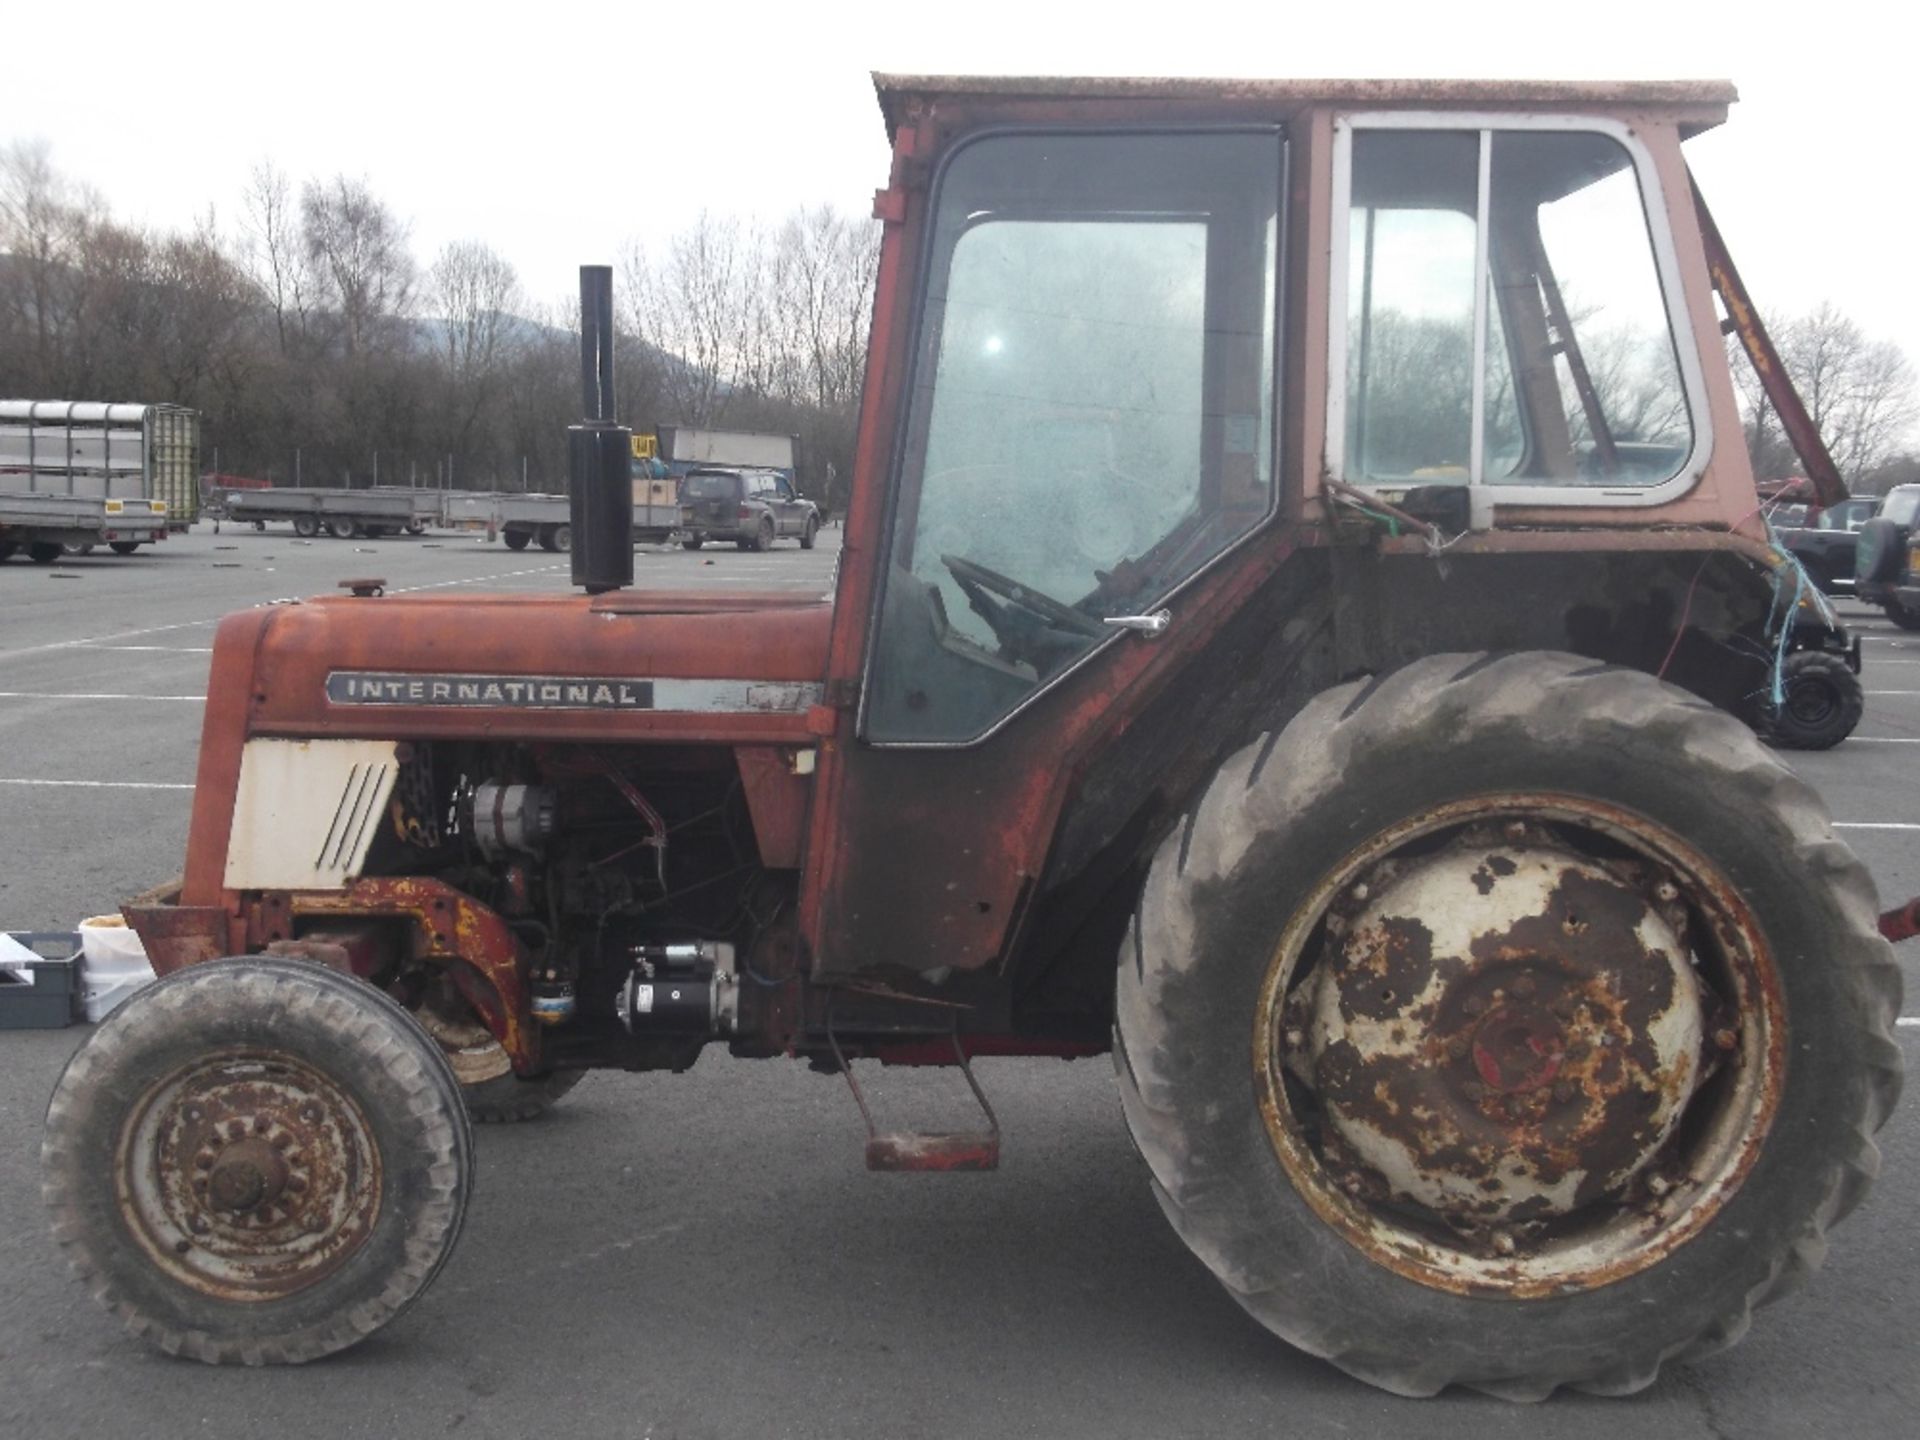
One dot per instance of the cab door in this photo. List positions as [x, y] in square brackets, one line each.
[1087, 428]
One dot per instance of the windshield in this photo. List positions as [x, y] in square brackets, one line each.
[699, 486]
[1903, 502]
[1091, 415]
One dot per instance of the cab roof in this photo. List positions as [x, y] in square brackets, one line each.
[1705, 101]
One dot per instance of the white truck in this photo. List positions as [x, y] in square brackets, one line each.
[76, 474]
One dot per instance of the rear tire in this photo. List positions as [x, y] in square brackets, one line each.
[341, 528]
[305, 526]
[123, 547]
[1824, 703]
[1900, 615]
[257, 1161]
[517, 539]
[563, 538]
[807, 535]
[7, 549]
[763, 537]
[693, 542]
[45, 552]
[507, 1099]
[1234, 912]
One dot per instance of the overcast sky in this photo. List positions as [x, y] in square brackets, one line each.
[555, 131]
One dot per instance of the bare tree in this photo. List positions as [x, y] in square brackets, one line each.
[358, 249]
[1859, 392]
[272, 252]
[473, 292]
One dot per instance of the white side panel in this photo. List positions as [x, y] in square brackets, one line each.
[306, 812]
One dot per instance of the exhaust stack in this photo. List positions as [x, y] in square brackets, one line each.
[599, 452]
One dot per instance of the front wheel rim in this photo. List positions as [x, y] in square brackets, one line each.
[1454, 1190]
[248, 1175]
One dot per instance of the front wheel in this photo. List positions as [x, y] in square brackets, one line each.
[517, 539]
[807, 535]
[693, 542]
[1823, 703]
[305, 526]
[123, 547]
[1900, 615]
[1454, 1026]
[45, 552]
[257, 1161]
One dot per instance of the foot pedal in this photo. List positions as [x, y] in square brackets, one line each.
[927, 1150]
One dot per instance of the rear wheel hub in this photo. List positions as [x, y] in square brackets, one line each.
[1503, 1031]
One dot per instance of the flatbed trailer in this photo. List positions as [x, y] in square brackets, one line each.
[45, 526]
[382, 510]
[522, 519]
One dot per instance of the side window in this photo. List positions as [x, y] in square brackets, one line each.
[1091, 409]
[1506, 323]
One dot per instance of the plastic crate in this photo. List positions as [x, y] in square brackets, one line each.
[52, 1001]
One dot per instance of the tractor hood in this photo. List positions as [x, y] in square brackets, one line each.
[712, 666]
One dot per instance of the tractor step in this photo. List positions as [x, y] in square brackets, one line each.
[927, 1149]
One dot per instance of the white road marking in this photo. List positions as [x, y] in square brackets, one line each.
[1874, 825]
[1893, 692]
[100, 784]
[46, 695]
[96, 639]
[1885, 739]
[1908, 1022]
[199, 649]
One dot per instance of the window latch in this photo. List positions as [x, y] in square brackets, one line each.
[1149, 625]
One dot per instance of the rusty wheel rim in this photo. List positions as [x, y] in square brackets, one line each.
[248, 1175]
[1492, 1082]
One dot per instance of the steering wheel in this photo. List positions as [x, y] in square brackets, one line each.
[974, 578]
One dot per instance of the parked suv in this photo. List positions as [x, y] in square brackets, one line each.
[752, 508]
[1826, 544]
[1883, 569]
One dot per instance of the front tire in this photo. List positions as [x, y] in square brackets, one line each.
[517, 539]
[1423, 1168]
[807, 535]
[257, 1161]
[1900, 615]
[1824, 703]
[123, 547]
[305, 526]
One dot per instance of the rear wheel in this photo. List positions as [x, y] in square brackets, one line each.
[305, 526]
[123, 547]
[341, 528]
[45, 552]
[1823, 704]
[563, 538]
[7, 549]
[517, 539]
[763, 537]
[807, 535]
[1900, 615]
[257, 1161]
[693, 542]
[1454, 1027]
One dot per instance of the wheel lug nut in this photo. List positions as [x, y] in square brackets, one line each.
[1659, 1184]
[1666, 890]
[1503, 1243]
[181, 1247]
[1516, 830]
[1295, 1039]
[1726, 1039]
[1359, 892]
[1457, 1048]
[1475, 1005]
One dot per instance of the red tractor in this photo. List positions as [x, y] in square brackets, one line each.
[1300, 597]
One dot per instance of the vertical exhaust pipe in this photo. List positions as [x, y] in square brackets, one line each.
[599, 452]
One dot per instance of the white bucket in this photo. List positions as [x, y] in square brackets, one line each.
[113, 964]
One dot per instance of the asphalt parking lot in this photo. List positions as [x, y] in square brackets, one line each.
[705, 1255]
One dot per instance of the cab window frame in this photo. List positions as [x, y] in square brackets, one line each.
[1673, 300]
[923, 356]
